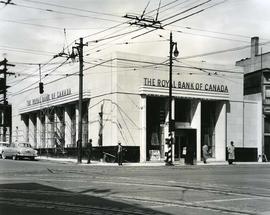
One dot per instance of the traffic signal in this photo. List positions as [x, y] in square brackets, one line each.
[41, 89]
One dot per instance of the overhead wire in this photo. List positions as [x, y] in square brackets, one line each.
[31, 24]
[25, 88]
[65, 13]
[182, 18]
[187, 10]
[24, 50]
[109, 37]
[221, 51]
[209, 36]
[114, 36]
[71, 8]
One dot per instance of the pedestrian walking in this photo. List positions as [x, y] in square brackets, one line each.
[205, 152]
[231, 153]
[119, 153]
[89, 150]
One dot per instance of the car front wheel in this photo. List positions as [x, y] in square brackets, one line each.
[3, 155]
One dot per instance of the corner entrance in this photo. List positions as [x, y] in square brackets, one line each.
[185, 145]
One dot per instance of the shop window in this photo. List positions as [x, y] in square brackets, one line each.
[267, 94]
[267, 147]
[266, 77]
[267, 124]
[208, 121]
[155, 117]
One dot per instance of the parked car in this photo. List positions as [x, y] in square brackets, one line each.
[3, 145]
[19, 150]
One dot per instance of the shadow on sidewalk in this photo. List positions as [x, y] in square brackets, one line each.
[34, 198]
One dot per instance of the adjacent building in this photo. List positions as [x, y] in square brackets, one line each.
[257, 89]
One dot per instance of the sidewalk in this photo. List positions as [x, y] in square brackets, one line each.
[148, 163]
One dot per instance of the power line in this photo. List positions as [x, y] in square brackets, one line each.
[71, 8]
[113, 36]
[211, 31]
[221, 51]
[209, 36]
[64, 13]
[174, 6]
[25, 88]
[31, 24]
[189, 9]
[197, 12]
[29, 51]
[182, 18]
[42, 65]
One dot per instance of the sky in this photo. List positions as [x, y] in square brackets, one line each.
[33, 31]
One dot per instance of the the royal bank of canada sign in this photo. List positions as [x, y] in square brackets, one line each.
[186, 85]
[49, 97]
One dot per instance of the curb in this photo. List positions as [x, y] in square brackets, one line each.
[158, 163]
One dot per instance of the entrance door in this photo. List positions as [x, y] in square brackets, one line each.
[185, 145]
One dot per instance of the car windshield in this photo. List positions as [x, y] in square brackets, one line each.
[27, 145]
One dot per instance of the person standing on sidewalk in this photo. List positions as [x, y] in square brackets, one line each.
[119, 153]
[231, 153]
[89, 150]
[205, 152]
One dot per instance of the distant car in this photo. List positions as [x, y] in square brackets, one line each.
[19, 150]
[3, 145]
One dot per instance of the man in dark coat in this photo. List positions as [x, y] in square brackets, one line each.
[119, 153]
[89, 150]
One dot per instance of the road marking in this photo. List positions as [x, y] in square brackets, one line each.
[235, 199]
[163, 203]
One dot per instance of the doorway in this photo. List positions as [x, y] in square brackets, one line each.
[185, 145]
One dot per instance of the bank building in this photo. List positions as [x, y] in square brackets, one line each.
[126, 100]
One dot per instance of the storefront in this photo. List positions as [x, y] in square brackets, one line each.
[126, 100]
[199, 113]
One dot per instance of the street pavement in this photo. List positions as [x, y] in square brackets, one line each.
[64, 187]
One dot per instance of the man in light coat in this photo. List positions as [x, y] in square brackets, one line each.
[205, 152]
[231, 153]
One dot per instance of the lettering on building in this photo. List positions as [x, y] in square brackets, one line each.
[49, 97]
[186, 85]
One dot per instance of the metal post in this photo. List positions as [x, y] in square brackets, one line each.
[79, 146]
[170, 142]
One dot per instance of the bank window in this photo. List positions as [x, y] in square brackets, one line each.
[182, 110]
[267, 92]
[267, 77]
[267, 124]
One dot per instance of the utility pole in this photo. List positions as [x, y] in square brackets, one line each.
[5, 73]
[170, 140]
[3, 90]
[79, 141]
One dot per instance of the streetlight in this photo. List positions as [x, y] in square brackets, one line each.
[173, 45]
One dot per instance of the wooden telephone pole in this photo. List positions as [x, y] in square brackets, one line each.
[5, 108]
